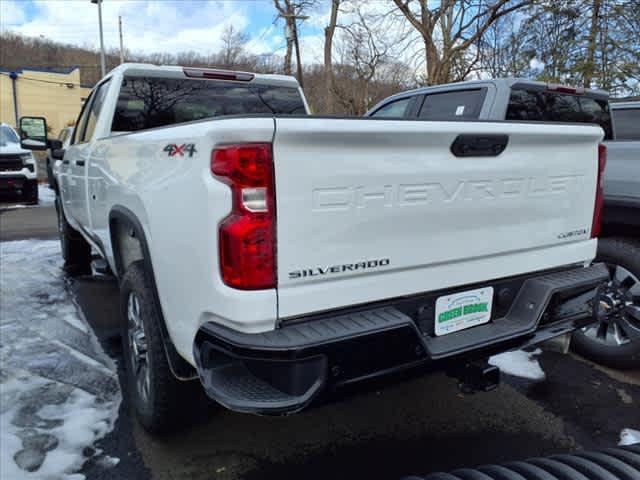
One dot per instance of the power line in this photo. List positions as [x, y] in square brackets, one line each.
[62, 84]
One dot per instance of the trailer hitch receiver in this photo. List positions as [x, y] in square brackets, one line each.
[476, 376]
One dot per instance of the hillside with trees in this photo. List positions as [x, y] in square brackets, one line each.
[374, 49]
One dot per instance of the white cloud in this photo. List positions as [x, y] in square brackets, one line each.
[10, 14]
[154, 26]
[172, 26]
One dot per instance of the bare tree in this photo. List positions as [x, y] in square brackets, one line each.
[233, 47]
[450, 29]
[363, 50]
[502, 49]
[592, 40]
[329, 32]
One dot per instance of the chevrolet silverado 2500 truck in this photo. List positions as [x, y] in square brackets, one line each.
[278, 256]
[18, 167]
[613, 340]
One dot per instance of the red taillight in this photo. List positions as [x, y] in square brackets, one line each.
[597, 211]
[247, 236]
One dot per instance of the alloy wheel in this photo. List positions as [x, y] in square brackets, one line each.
[138, 347]
[617, 308]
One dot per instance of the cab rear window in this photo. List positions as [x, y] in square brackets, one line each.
[545, 106]
[454, 105]
[146, 102]
[627, 122]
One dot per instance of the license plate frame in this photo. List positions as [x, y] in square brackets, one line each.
[463, 310]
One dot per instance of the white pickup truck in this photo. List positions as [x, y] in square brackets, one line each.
[278, 256]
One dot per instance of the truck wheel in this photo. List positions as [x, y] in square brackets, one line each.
[614, 340]
[30, 192]
[76, 252]
[154, 392]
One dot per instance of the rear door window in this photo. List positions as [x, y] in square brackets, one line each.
[454, 105]
[545, 106]
[397, 109]
[627, 123]
[94, 112]
[82, 121]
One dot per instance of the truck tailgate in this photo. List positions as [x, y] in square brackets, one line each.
[375, 209]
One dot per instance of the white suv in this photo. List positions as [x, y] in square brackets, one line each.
[18, 168]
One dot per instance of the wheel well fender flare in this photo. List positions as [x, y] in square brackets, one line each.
[120, 215]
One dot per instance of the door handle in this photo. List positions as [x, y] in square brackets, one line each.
[65, 162]
[80, 163]
[472, 145]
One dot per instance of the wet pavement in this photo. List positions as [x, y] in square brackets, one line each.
[414, 427]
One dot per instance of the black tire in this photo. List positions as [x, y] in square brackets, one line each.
[30, 192]
[76, 252]
[159, 409]
[625, 253]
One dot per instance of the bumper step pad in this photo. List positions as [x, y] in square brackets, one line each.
[281, 371]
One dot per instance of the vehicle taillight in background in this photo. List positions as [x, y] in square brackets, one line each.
[247, 236]
[597, 211]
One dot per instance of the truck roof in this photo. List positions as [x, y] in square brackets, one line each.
[146, 69]
[626, 104]
[506, 83]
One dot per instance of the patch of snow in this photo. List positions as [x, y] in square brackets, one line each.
[59, 392]
[76, 322]
[520, 364]
[629, 437]
[108, 462]
[46, 195]
[11, 206]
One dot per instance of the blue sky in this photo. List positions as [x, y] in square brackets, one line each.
[160, 25]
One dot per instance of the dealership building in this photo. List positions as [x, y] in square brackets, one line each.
[53, 93]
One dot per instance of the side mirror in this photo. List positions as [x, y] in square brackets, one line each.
[33, 133]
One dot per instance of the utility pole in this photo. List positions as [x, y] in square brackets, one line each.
[14, 77]
[292, 22]
[103, 65]
[121, 47]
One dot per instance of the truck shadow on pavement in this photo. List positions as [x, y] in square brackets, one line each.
[413, 427]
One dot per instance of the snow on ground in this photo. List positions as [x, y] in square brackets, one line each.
[629, 437]
[59, 392]
[520, 364]
[46, 195]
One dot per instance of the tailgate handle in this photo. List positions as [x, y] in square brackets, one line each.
[472, 145]
[80, 163]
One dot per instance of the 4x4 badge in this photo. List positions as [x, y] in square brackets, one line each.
[172, 149]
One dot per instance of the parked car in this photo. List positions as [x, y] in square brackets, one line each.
[52, 164]
[614, 340]
[279, 257]
[18, 168]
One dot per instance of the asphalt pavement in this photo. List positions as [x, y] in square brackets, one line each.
[413, 427]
